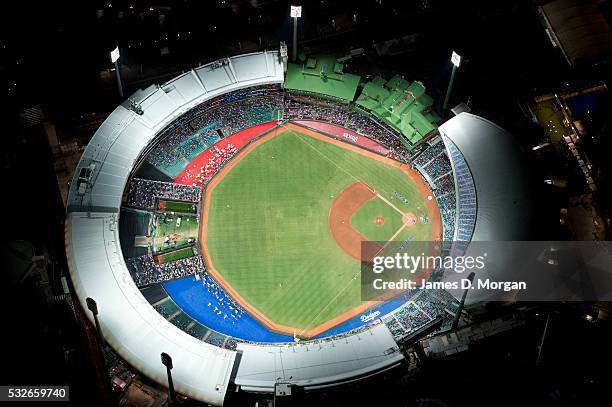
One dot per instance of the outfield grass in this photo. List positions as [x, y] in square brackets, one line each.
[268, 230]
[364, 220]
[551, 121]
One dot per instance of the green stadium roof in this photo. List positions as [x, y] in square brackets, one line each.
[322, 75]
[402, 105]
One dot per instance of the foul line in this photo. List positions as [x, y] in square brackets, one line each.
[389, 203]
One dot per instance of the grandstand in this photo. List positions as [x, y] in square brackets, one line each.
[465, 194]
[144, 194]
[207, 123]
[434, 164]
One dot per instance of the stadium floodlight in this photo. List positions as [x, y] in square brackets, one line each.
[296, 12]
[167, 361]
[456, 60]
[114, 56]
[93, 307]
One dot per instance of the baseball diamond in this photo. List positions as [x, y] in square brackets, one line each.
[282, 225]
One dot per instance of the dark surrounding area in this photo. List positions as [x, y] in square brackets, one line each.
[55, 55]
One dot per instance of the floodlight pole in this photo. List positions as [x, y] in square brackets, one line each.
[456, 60]
[450, 87]
[294, 39]
[118, 79]
[462, 303]
[296, 12]
[93, 307]
[167, 361]
[114, 56]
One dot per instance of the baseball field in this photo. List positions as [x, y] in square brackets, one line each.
[282, 225]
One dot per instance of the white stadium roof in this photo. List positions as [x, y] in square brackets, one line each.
[116, 145]
[503, 192]
[500, 176]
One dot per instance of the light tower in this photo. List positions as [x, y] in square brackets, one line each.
[296, 12]
[167, 361]
[456, 60]
[93, 307]
[114, 56]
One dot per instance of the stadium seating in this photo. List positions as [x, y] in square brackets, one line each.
[199, 128]
[308, 109]
[167, 308]
[145, 271]
[143, 193]
[466, 192]
[425, 307]
[435, 164]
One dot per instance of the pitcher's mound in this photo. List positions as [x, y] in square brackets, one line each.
[379, 220]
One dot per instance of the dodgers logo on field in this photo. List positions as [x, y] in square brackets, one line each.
[369, 317]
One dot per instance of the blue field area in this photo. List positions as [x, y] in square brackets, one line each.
[374, 314]
[211, 307]
[205, 302]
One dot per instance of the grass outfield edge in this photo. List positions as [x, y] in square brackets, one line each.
[260, 316]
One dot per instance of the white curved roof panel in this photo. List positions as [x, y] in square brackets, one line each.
[128, 322]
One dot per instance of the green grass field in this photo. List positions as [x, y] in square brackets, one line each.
[167, 235]
[176, 255]
[268, 230]
[175, 206]
[364, 220]
[551, 121]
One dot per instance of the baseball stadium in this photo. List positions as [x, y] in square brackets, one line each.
[219, 217]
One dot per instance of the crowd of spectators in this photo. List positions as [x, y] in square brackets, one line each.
[435, 163]
[447, 205]
[142, 193]
[445, 184]
[343, 115]
[250, 112]
[435, 302]
[181, 142]
[427, 306]
[218, 158]
[198, 131]
[439, 166]
[429, 153]
[146, 271]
